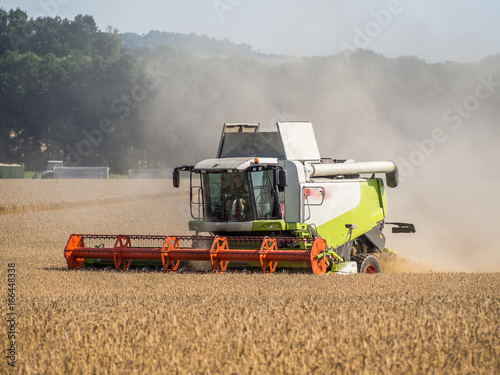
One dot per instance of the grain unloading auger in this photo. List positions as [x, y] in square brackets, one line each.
[268, 200]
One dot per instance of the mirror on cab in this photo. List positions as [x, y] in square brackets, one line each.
[282, 181]
[176, 178]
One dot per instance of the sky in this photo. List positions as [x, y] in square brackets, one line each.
[436, 31]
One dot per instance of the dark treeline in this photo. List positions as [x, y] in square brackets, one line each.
[73, 92]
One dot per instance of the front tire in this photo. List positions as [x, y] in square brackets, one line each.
[367, 263]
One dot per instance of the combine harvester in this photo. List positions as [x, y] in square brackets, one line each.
[270, 201]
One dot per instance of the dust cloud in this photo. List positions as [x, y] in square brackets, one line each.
[431, 119]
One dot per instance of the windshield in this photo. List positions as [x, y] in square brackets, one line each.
[242, 196]
[263, 189]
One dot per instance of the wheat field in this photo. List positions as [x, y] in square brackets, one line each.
[409, 320]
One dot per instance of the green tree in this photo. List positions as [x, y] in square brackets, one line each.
[12, 29]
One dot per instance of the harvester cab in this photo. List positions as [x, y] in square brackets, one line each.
[289, 191]
[270, 200]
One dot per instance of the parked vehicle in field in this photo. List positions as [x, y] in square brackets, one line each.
[51, 165]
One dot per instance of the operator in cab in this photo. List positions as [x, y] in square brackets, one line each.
[237, 194]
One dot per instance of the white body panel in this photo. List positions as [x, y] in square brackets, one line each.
[233, 164]
[348, 269]
[299, 141]
[329, 199]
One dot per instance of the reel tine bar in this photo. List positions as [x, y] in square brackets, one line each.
[170, 250]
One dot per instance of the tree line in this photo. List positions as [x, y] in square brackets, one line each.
[70, 91]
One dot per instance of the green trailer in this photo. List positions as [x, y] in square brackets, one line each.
[11, 171]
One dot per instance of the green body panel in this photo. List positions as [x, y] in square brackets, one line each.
[196, 226]
[267, 225]
[299, 229]
[370, 211]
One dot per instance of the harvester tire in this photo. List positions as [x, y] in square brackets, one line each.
[367, 263]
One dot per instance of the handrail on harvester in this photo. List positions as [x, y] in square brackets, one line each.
[123, 249]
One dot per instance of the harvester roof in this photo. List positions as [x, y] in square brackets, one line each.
[235, 165]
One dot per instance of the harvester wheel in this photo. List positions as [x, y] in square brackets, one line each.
[367, 263]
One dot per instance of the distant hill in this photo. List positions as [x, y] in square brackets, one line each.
[197, 44]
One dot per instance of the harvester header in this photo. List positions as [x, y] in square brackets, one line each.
[270, 201]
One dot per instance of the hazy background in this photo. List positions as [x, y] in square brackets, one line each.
[367, 105]
[460, 30]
